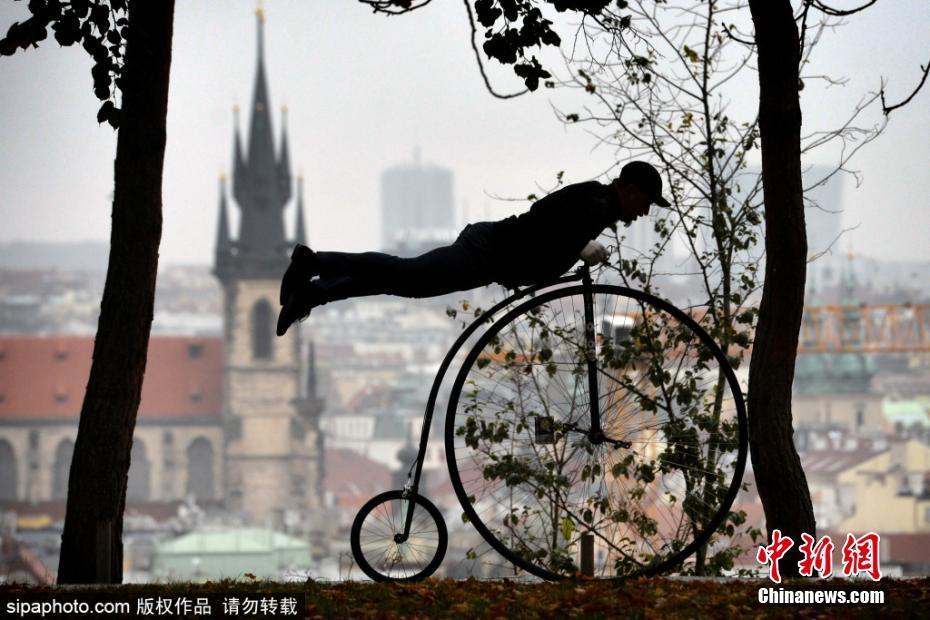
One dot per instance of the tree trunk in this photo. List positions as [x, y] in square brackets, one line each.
[779, 477]
[91, 545]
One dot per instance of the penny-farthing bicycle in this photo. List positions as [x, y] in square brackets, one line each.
[591, 429]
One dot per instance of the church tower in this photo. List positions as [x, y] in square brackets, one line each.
[273, 450]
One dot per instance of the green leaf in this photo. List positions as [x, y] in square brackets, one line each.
[567, 528]
[692, 55]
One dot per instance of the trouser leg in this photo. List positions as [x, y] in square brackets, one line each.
[451, 268]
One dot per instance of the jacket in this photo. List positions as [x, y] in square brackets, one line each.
[545, 241]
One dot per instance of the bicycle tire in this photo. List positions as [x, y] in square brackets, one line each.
[519, 469]
[372, 540]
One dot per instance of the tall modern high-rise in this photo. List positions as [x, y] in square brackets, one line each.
[822, 205]
[822, 212]
[272, 440]
[416, 205]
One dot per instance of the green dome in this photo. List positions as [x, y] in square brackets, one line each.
[833, 373]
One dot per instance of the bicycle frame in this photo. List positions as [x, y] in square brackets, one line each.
[583, 274]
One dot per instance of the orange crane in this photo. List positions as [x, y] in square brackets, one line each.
[865, 328]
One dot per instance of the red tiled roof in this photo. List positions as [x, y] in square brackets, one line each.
[353, 478]
[832, 462]
[45, 377]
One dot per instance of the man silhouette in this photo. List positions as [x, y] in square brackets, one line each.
[539, 244]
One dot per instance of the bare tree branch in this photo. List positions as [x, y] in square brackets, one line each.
[729, 29]
[395, 7]
[828, 10]
[807, 8]
[887, 109]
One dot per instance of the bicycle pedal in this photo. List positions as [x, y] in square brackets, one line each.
[545, 430]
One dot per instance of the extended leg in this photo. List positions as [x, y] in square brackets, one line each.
[456, 267]
[452, 268]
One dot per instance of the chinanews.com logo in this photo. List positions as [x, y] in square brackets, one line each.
[860, 556]
[860, 559]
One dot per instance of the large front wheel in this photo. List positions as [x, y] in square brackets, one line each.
[556, 497]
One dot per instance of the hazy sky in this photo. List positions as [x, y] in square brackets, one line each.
[363, 91]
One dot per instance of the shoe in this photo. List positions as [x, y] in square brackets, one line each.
[302, 268]
[297, 308]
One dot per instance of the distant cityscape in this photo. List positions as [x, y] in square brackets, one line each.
[862, 421]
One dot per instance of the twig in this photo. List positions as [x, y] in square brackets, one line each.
[828, 10]
[726, 29]
[394, 7]
[887, 109]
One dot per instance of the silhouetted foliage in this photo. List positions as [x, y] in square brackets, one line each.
[512, 28]
[101, 27]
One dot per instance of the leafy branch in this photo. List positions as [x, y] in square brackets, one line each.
[100, 26]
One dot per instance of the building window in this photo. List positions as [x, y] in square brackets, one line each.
[860, 416]
[32, 457]
[200, 469]
[137, 488]
[194, 351]
[10, 472]
[261, 330]
[62, 469]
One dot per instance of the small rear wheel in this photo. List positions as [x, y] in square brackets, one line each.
[381, 550]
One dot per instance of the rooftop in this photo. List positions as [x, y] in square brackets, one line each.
[45, 377]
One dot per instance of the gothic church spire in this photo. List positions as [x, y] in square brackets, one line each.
[261, 183]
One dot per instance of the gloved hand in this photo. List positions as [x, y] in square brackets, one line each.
[594, 253]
